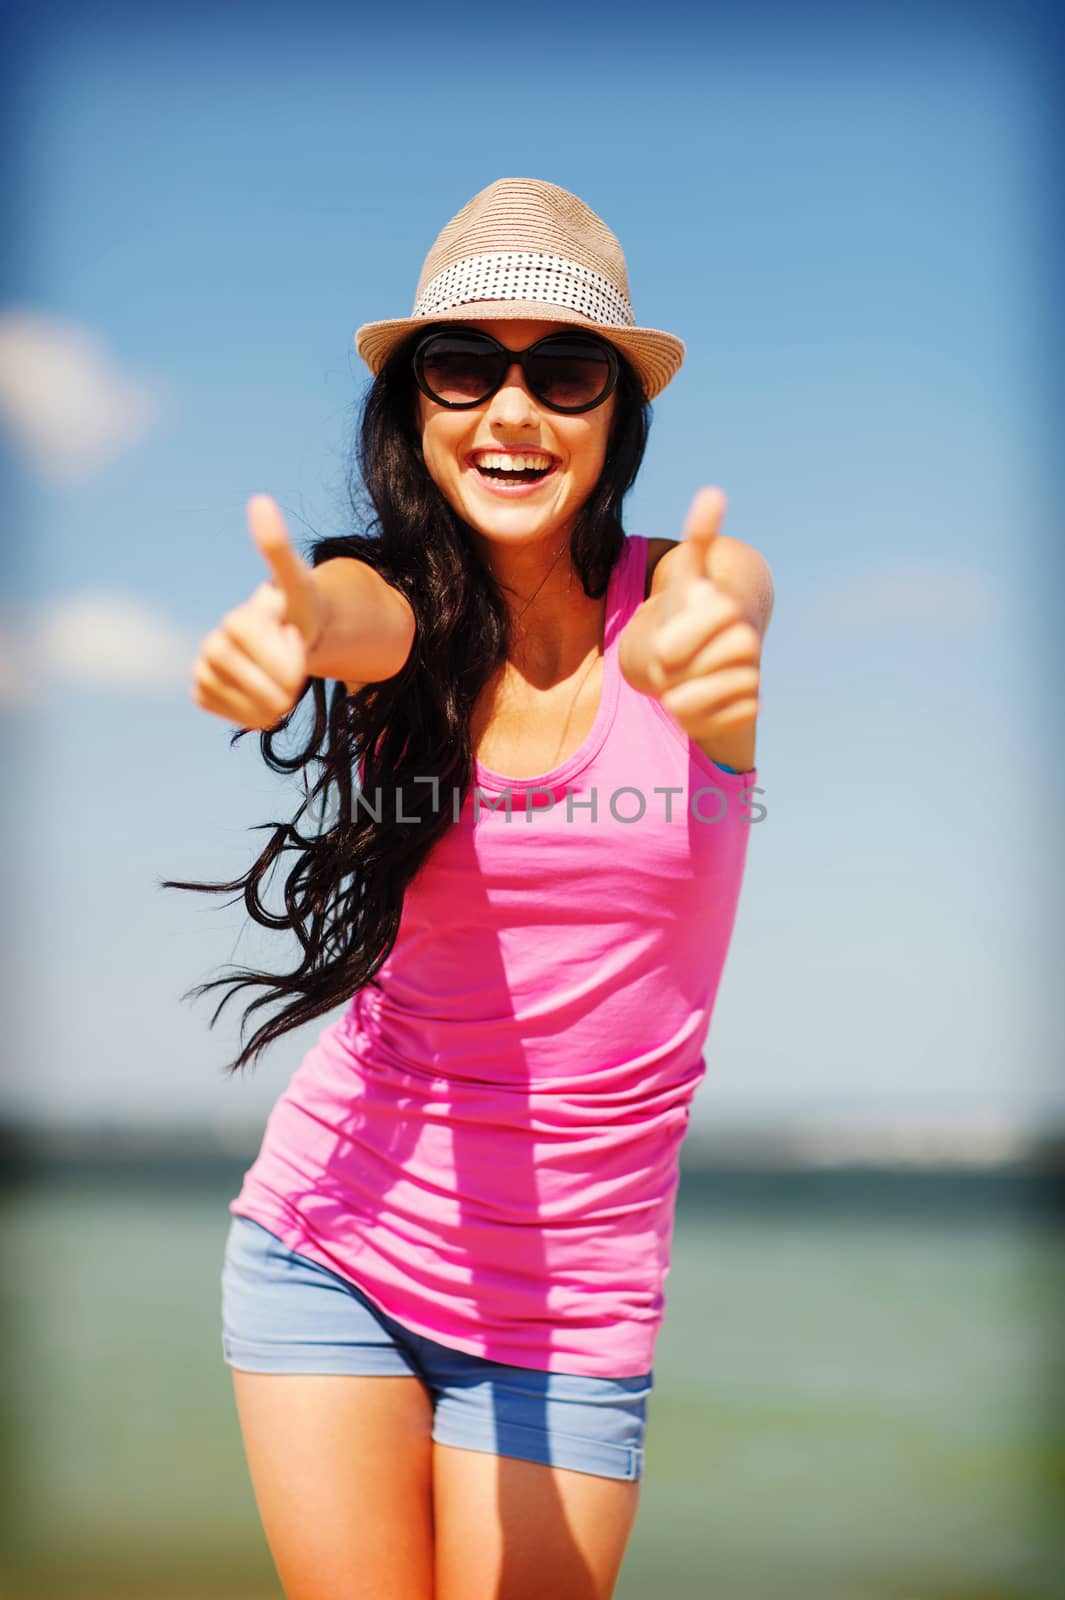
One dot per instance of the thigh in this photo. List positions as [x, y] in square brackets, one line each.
[536, 1478]
[336, 1423]
[508, 1529]
[341, 1467]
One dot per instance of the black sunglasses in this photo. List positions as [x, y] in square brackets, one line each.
[568, 372]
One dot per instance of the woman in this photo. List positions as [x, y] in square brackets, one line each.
[444, 1274]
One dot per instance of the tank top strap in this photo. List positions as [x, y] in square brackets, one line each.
[625, 589]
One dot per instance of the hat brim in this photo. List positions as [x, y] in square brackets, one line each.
[656, 356]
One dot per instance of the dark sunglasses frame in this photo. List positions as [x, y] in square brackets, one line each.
[520, 358]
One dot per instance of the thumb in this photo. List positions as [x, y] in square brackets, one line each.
[690, 559]
[701, 527]
[288, 568]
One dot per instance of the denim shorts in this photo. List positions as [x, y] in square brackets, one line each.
[282, 1312]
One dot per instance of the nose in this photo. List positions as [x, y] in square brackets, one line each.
[512, 406]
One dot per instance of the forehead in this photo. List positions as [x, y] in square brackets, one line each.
[516, 335]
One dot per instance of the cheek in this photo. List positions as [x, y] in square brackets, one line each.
[598, 437]
[436, 452]
[593, 455]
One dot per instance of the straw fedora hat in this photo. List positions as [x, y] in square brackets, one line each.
[523, 248]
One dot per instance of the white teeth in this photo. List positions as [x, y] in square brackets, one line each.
[509, 463]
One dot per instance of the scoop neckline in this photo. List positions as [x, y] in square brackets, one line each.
[488, 778]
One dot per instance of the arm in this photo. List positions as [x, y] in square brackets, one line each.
[366, 628]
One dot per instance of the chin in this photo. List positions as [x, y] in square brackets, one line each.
[516, 530]
[512, 522]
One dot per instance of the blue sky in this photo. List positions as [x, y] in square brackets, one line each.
[848, 228]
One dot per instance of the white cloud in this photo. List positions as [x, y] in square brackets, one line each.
[113, 641]
[97, 640]
[908, 595]
[65, 401]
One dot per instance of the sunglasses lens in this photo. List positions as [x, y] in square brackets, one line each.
[458, 368]
[569, 374]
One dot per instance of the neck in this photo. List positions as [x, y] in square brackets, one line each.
[553, 623]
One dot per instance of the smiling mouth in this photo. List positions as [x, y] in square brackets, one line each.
[503, 469]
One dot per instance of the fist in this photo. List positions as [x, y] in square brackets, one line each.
[252, 668]
[704, 657]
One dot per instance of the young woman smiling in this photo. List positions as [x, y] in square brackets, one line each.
[445, 1269]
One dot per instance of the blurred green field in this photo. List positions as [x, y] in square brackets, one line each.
[847, 1406]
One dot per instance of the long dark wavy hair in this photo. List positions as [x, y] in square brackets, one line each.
[343, 893]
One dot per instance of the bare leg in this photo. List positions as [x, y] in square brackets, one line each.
[515, 1530]
[342, 1473]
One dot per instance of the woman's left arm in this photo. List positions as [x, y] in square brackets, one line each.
[696, 642]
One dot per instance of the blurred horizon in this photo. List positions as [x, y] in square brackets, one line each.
[809, 1143]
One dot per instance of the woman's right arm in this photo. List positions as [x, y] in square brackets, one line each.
[339, 620]
[366, 629]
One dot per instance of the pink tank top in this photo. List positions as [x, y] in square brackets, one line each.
[486, 1140]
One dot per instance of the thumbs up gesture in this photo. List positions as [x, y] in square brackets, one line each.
[252, 668]
[703, 652]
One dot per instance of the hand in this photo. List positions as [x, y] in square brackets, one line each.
[252, 668]
[704, 656]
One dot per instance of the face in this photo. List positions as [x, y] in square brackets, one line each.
[458, 445]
